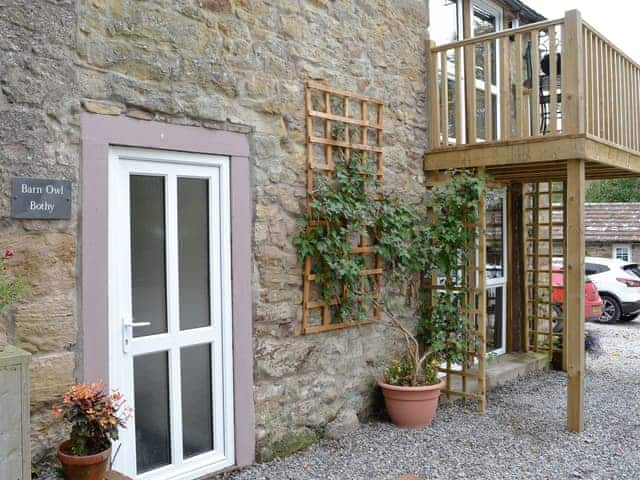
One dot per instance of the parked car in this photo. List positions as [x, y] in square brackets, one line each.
[593, 304]
[618, 283]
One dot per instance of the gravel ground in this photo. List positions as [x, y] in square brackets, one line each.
[521, 436]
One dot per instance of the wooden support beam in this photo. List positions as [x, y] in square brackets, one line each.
[573, 94]
[516, 298]
[434, 111]
[482, 301]
[574, 294]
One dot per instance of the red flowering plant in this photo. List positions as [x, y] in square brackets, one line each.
[95, 417]
[12, 287]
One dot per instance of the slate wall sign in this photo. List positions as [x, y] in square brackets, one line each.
[40, 198]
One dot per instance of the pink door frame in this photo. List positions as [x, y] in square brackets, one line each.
[98, 133]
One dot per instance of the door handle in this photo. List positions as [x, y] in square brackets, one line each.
[127, 333]
[136, 324]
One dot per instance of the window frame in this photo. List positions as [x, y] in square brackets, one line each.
[627, 246]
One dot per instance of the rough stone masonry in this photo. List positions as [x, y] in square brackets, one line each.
[218, 64]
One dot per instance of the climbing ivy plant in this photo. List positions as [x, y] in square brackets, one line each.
[343, 209]
[436, 236]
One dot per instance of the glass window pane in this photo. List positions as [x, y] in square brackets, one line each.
[193, 252]
[494, 318]
[483, 23]
[197, 404]
[148, 265]
[494, 234]
[443, 21]
[481, 112]
[151, 396]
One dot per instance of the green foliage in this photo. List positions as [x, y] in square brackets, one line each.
[401, 371]
[344, 208]
[616, 190]
[95, 417]
[448, 244]
[12, 287]
[413, 240]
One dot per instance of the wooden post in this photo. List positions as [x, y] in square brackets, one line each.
[516, 311]
[574, 295]
[482, 300]
[469, 76]
[573, 91]
[432, 81]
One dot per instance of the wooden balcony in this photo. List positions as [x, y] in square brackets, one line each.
[499, 101]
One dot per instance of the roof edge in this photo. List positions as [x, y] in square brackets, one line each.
[525, 11]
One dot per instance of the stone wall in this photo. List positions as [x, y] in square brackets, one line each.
[39, 137]
[605, 250]
[232, 64]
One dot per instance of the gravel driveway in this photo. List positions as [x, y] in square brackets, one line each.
[521, 436]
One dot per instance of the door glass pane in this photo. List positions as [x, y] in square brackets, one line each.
[481, 112]
[151, 396]
[494, 234]
[148, 265]
[494, 318]
[193, 253]
[197, 406]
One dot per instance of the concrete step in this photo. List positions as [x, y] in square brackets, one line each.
[509, 367]
[506, 368]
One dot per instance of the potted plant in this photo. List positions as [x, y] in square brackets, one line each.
[420, 243]
[95, 417]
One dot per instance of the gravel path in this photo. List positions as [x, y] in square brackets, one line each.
[521, 436]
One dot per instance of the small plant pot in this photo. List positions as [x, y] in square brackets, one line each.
[411, 407]
[89, 467]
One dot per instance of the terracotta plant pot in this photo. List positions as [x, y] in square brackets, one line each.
[90, 467]
[411, 407]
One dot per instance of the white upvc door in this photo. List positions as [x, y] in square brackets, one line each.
[170, 311]
[496, 241]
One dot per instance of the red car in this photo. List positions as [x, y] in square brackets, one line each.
[592, 300]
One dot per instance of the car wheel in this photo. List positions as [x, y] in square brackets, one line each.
[611, 311]
[558, 319]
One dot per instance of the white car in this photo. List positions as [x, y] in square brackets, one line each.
[618, 283]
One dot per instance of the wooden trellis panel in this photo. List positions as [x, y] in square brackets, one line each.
[468, 380]
[545, 250]
[358, 119]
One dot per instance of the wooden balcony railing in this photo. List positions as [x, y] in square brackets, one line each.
[612, 91]
[557, 77]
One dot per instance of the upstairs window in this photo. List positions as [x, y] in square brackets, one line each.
[445, 20]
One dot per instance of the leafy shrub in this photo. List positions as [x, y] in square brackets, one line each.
[400, 371]
[94, 415]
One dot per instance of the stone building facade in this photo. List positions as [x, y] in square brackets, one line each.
[212, 70]
[217, 65]
[612, 230]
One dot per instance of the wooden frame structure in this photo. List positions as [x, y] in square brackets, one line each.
[592, 131]
[468, 380]
[545, 255]
[332, 129]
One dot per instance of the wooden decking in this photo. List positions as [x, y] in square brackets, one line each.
[540, 158]
[500, 102]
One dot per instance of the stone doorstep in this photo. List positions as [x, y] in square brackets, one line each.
[113, 475]
[511, 366]
[507, 368]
